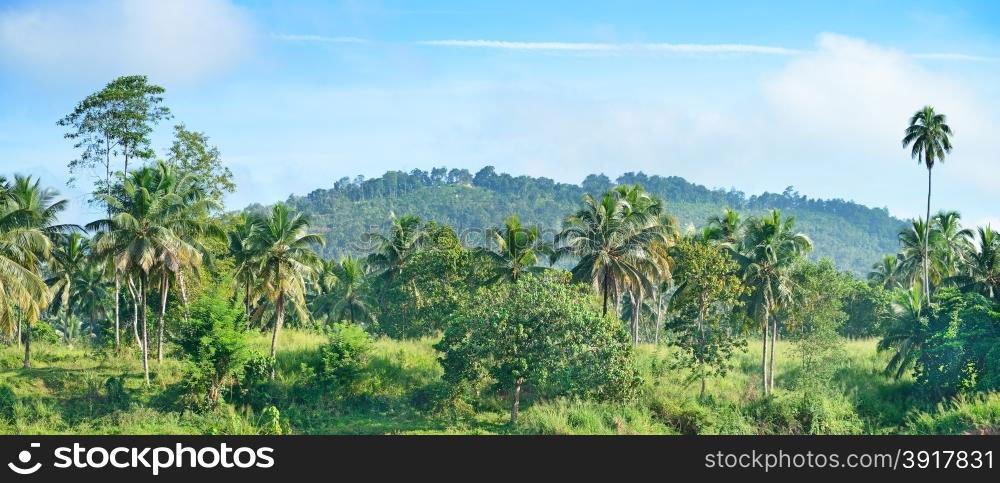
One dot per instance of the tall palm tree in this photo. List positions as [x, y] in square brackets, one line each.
[287, 260]
[906, 332]
[517, 249]
[68, 258]
[342, 291]
[245, 259]
[767, 252]
[90, 293]
[930, 138]
[619, 245]
[139, 237]
[981, 272]
[23, 245]
[886, 273]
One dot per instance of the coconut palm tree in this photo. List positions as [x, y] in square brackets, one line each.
[981, 272]
[611, 245]
[287, 260]
[767, 252]
[913, 248]
[907, 331]
[724, 229]
[886, 273]
[139, 238]
[929, 137]
[23, 246]
[956, 242]
[407, 235]
[90, 293]
[68, 258]
[517, 249]
[342, 291]
[244, 257]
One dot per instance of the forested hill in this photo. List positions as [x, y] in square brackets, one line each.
[853, 235]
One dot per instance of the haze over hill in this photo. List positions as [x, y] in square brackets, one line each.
[853, 235]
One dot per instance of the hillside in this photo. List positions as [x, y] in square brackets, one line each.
[853, 235]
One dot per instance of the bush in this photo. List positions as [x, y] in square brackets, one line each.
[8, 403]
[344, 359]
[214, 343]
[43, 332]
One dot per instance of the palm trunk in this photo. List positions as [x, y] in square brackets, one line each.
[135, 312]
[927, 233]
[279, 312]
[246, 298]
[701, 341]
[164, 289]
[18, 336]
[763, 360]
[659, 319]
[774, 348]
[516, 403]
[605, 287]
[27, 346]
[117, 302]
[145, 333]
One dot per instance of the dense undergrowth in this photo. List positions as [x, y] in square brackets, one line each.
[76, 390]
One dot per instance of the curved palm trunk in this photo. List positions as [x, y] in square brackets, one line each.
[763, 357]
[279, 312]
[774, 348]
[27, 346]
[927, 232]
[117, 302]
[164, 289]
[145, 333]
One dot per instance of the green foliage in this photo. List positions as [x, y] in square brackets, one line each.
[814, 319]
[214, 343]
[868, 307]
[44, 333]
[541, 334]
[344, 359]
[707, 324]
[8, 403]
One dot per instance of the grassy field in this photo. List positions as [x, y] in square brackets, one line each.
[78, 391]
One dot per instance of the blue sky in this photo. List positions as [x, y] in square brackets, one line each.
[751, 95]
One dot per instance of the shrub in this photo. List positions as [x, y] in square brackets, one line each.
[8, 402]
[214, 343]
[344, 359]
[43, 332]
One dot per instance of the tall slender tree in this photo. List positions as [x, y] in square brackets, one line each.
[929, 138]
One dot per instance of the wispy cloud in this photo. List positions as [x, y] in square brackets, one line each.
[319, 38]
[615, 47]
[956, 57]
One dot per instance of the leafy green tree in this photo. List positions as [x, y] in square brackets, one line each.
[541, 334]
[886, 273]
[769, 249]
[214, 343]
[813, 320]
[708, 292]
[344, 359]
[517, 249]
[191, 154]
[930, 138]
[868, 307]
[287, 260]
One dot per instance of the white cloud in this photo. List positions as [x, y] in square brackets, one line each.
[176, 40]
[610, 47]
[956, 57]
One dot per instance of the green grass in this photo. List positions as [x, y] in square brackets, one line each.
[68, 392]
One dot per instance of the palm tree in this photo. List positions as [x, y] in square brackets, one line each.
[287, 259]
[517, 249]
[68, 258]
[90, 293]
[956, 242]
[609, 247]
[886, 273]
[981, 272]
[907, 331]
[407, 235]
[139, 238]
[35, 209]
[914, 241]
[342, 286]
[930, 138]
[767, 252]
[23, 245]
[724, 229]
[244, 257]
